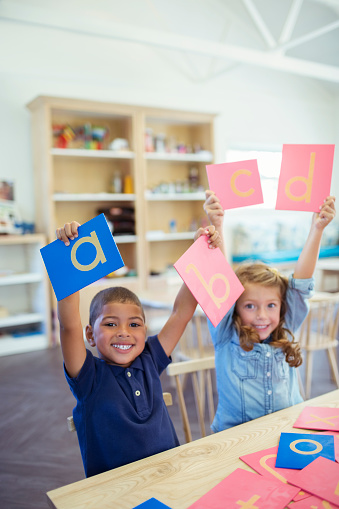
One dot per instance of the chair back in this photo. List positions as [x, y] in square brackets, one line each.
[200, 372]
[320, 327]
[319, 332]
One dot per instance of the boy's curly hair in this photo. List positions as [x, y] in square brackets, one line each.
[261, 274]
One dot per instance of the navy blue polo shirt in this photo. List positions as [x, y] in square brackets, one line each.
[120, 416]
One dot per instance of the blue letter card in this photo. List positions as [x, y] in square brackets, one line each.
[297, 450]
[89, 257]
[152, 503]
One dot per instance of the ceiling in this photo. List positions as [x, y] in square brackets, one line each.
[210, 37]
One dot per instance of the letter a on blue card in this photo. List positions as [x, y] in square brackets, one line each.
[89, 257]
[297, 450]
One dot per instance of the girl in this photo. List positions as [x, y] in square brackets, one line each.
[255, 350]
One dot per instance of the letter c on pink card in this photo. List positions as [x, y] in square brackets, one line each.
[234, 188]
[236, 184]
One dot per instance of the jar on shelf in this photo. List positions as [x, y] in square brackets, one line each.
[128, 184]
[149, 140]
[160, 145]
[117, 183]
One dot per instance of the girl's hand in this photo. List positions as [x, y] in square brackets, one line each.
[213, 236]
[326, 214]
[213, 209]
[68, 231]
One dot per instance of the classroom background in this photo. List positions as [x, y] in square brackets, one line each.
[166, 87]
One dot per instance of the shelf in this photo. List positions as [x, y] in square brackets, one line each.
[204, 157]
[174, 196]
[21, 319]
[125, 239]
[82, 152]
[12, 345]
[160, 236]
[17, 279]
[65, 197]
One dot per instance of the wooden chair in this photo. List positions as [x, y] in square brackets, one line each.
[166, 395]
[200, 372]
[319, 332]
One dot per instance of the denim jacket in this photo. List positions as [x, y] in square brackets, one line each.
[259, 382]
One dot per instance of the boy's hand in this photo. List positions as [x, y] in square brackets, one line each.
[68, 231]
[213, 209]
[327, 213]
[213, 236]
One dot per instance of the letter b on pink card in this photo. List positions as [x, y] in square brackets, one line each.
[210, 278]
[236, 184]
[305, 177]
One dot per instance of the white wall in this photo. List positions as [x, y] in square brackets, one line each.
[256, 107]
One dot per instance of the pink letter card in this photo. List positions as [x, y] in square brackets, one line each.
[246, 489]
[312, 503]
[305, 177]
[236, 184]
[210, 278]
[321, 478]
[322, 418]
[263, 462]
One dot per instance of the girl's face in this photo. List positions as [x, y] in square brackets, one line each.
[259, 307]
[119, 333]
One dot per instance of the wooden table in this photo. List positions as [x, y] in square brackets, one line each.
[182, 475]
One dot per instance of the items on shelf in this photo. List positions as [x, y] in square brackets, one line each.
[161, 144]
[120, 219]
[189, 185]
[86, 136]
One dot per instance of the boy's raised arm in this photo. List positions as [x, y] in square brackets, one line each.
[184, 304]
[215, 214]
[71, 332]
[308, 258]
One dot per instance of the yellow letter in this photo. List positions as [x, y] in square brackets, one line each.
[100, 257]
[318, 446]
[235, 189]
[308, 181]
[209, 287]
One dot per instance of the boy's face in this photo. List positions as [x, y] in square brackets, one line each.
[118, 333]
[259, 307]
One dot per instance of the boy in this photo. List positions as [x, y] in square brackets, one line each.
[120, 416]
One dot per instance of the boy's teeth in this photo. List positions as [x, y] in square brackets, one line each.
[123, 347]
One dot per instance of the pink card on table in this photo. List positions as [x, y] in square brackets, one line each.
[210, 278]
[236, 184]
[305, 177]
[246, 489]
[321, 478]
[312, 503]
[336, 441]
[321, 418]
[263, 462]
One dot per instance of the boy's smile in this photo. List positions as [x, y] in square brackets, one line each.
[259, 307]
[118, 333]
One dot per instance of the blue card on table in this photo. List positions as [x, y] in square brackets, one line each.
[297, 450]
[152, 503]
[89, 257]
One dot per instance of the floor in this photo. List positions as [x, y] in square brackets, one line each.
[38, 453]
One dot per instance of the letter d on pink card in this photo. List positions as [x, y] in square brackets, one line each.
[236, 184]
[305, 177]
[210, 278]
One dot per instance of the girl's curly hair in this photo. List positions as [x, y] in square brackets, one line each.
[261, 274]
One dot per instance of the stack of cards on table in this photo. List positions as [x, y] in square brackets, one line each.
[299, 473]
